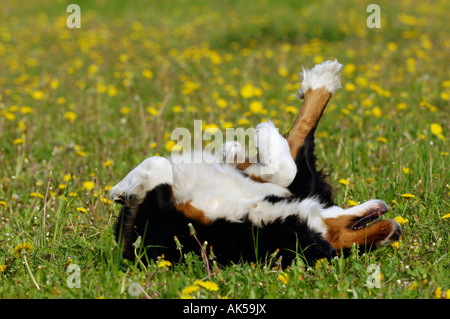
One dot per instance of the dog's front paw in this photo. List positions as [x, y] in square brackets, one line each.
[146, 176]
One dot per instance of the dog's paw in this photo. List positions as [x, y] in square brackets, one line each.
[269, 142]
[146, 176]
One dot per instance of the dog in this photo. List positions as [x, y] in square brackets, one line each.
[245, 211]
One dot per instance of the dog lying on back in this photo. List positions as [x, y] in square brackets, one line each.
[247, 211]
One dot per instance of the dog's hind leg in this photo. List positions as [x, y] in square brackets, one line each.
[318, 85]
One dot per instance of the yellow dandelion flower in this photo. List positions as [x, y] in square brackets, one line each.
[177, 109]
[402, 221]
[54, 84]
[82, 209]
[381, 139]
[125, 110]
[21, 249]
[88, 185]
[147, 74]
[152, 111]
[208, 285]
[164, 264]
[256, 107]
[284, 278]
[169, 145]
[26, 110]
[68, 177]
[351, 202]
[350, 87]
[2, 268]
[189, 290]
[37, 95]
[407, 195]
[18, 141]
[226, 125]
[247, 91]
[401, 106]
[283, 71]
[377, 112]
[108, 163]
[222, 103]
[446, 216]
[435, 128]
[438, 293]
[112, 91]
[3, 203]
[37, 195]
[396, 245]
[344, 181]
[70, 116]
[243, 121]
[291, 109]
[406, 170]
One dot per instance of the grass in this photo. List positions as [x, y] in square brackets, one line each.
[80, 107]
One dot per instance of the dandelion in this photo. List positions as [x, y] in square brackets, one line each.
[82, 209]
[291, 109]
[222, 103]
[21, 250]
[438, 293]
[189, 290]
[407, 195]
[108, 163]
[3, 203]
[446, 216]
[377, 112]
[2, 268]
[256, 107]
[169, 145]
[351, 202]
[284, 278]
[435, 128]
[406, 170]
[344, 181]
[402, 221]
[125, 110]
[147, 74]
[88, 185]
[208, 285]
[18, 141]
[381, 139]
[350, 87]
[37, 195]
[26, 110]
[37, 95]
[164, 264]
[70, 116]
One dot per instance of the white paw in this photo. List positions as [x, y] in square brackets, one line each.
[146, 176]
[269, 142]
[276, 163]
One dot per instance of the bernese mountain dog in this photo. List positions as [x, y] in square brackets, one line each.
[247, 211]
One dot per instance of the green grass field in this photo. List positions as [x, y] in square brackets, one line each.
[79, 108]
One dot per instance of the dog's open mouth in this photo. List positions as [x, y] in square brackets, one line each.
[369, 217]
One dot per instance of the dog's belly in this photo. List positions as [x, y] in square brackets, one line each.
[219, 190]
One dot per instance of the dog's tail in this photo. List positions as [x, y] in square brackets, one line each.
[318, 85]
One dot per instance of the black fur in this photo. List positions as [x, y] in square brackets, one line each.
[308, 180]
[158, 221]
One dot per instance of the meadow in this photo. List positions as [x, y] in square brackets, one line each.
[79, 108]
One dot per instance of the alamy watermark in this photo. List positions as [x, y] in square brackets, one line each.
[74, 19]
[374, 19]
[237, 145]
